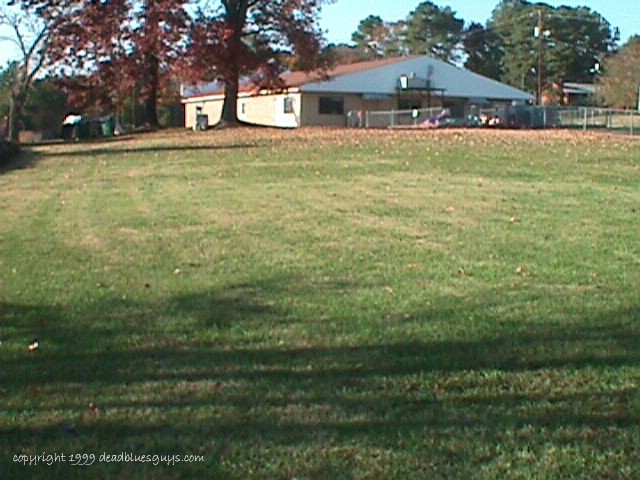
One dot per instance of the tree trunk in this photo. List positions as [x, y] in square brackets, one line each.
[16, 105]
[151, 97]
[151, 109]
[230, 105]
[235, 18]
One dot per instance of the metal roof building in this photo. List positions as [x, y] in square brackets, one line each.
[403, 83]
[427, 72]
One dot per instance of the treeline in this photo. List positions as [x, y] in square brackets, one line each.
[129, 56]
[528, 45]
[108, 55]
[50, 100]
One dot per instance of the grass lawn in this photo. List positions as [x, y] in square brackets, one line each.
[320, 304]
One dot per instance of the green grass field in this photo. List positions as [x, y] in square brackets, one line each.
[323, 304]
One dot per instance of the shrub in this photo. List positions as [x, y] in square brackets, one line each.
[8, 151]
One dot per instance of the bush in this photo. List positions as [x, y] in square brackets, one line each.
[8, 151]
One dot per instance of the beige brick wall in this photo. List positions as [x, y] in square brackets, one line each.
[352, 102]
[268, 110]
[312, 116]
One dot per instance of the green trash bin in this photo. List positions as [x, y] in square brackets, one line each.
[83, 130]
[107, 125]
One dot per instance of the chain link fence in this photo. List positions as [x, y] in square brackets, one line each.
[520, 116]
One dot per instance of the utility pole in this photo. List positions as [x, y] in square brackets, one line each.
[540, 34]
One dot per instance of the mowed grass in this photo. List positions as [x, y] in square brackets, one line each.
[324, 304]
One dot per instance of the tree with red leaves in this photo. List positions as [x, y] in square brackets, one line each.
[157, 42]
[252, 38]
[91, 52]
[112, 46]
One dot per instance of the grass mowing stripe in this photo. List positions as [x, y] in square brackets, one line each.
[382, 305]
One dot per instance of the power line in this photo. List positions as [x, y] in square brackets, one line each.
[491, 26]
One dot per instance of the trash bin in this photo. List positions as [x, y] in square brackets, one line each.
[83, 130]
[68, 131]
[202, 122]
[107, 126]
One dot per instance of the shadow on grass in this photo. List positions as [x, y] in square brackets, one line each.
[228, 395]
[113, 148]
[29, 158]
[24, 160]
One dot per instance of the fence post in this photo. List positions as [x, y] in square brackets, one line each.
[366, 119]
[584, 125]
[631, 123]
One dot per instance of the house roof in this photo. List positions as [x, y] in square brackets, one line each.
[381, 77]
[297, 79]
[290, 79]
[574, 88]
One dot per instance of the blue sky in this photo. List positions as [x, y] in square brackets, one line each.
[340, 19]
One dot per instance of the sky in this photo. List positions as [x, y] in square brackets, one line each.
[341, 19]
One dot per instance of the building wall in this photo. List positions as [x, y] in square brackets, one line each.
[268, 110]
[304, 108]
[210, 107]
[356, 103]
[311, 108]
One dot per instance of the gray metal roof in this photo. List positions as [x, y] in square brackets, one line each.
[579, 88]
[452, 80]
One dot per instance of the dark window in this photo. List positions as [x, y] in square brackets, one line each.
[288, 105]
[331, 106]
[409, 104]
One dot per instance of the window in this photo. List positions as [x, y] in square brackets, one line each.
[288, 105]
[409, 104]
[331, 106]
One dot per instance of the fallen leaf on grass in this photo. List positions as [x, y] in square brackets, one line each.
[94, 409]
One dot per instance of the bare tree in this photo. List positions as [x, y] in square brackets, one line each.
[31, 35]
